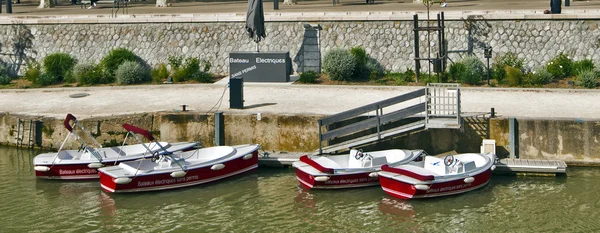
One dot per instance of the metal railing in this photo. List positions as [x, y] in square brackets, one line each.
[378, 121]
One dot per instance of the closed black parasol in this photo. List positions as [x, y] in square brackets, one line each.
[255, 21]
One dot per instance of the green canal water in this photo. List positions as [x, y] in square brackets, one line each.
[270, 200]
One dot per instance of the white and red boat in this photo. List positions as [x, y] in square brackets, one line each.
[179, 169]
[356, 169]
[434, 177]
[83, 163]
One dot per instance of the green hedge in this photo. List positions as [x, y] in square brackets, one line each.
[111, 62]
[58, 65]
[339, 64]
[88, 74]
[132, 72]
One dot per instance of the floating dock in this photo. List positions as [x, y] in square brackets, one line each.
[526, 166]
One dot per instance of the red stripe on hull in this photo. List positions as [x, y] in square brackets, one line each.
[337, 181]
[193, 177]
[404, 190]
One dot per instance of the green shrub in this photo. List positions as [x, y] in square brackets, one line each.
[339, 64]
[507, 59]
[160, 73]
[560, 66]
[46, 79]
[375, 69]
[111, 62]
[88, 74]
[474, 70]
[203, 77]
[514, 76]
[540, 76]
[132, 72]
[585, 64]
[456, 70]
[426, 78]
[588, 79]
[187, 71]
[401, 78]
[361, 71]
[308, 77]
[69, 78]
[4, 79]
[33, 72]
[4, 70]
[175, 62]
[57, 65]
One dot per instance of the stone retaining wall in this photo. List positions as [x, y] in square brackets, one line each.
[573, 141]
[391, 42]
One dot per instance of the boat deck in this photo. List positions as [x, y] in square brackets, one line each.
[503, 166]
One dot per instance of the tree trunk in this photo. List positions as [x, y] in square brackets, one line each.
[162, 3]
[46, 4]
[289, 2]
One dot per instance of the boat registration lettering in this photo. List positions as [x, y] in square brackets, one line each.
[351, 181]
[449, 188]
[166, 181]
[77, 171]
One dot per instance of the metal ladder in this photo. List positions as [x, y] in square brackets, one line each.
[23, 132]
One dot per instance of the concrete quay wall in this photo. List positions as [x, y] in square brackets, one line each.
[576, 142]
[387, 36]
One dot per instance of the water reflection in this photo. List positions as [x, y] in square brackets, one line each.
[402, 209]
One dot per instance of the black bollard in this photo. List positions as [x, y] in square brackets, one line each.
[567, 2]
[555, 6]
[275, 4]
[0, 6]
[8, 6]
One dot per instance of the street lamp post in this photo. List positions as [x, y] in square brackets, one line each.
[487, 53]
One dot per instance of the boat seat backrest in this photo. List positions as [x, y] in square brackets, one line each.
[374, 161]
[166, 163]
[352, 161]
[469, 166]
[436, 165]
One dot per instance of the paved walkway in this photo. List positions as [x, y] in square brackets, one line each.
[285, 99]
[29, 8]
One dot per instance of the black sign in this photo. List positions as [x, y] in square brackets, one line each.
[260, 66]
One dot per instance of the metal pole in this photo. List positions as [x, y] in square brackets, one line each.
[417, 61]
[493, 113]
[219, 129]
[275, 4]
[0, 6]
[512, 138]
[29, 145]
[320, 139]
[378, 123]
[488, 70]
[18, 130]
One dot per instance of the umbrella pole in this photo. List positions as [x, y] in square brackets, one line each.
[257, 47]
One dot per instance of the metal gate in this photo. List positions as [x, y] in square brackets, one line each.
[443, 106]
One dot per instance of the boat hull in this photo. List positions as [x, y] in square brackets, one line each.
[337, 181]
[406, 190]
[71, 171]
[194, 176]
[47, 168]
